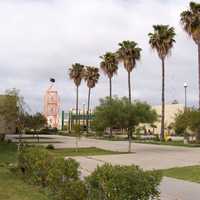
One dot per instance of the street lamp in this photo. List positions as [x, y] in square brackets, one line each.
[185, 87]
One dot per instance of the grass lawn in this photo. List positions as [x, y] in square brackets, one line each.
[170, 143]
[13, 187]
[191, 173]
[87, 151]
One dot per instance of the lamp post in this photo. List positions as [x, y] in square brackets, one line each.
[185, 88]
[83, 115]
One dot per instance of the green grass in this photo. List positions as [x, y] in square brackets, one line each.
[12, 187]
[87, 151]
[191, 173]
[170, 143]
[8, 152]
[34, 138]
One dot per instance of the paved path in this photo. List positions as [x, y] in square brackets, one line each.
[147, 156]
[173, 189]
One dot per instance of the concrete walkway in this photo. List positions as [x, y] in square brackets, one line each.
[173, 189]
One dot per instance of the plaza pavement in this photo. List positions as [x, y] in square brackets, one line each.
[146, 156]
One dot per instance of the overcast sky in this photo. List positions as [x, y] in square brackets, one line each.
[42, 38]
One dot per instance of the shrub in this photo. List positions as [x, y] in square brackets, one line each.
[50, 146]
[64, 182]
[34, 163]
[122, 183]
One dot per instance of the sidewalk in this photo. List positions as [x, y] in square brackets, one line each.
[174, 189]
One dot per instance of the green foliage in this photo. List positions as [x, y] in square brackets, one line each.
[50, 146]
[122, 182]
[34, 164]
[36, 121]
[63, 180]
[162, 39]
[77, 130]
[189, 119]
[119, 113]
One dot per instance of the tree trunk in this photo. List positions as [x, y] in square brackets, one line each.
[2, 137]
[88, 109]
[198, 136]
[76, 105]
[129, 86]
[129, 128]
[110, 82]
[199, 71]
[163, 101]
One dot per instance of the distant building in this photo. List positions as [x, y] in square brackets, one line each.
[7, 114]
[170, 112]
[51, 106]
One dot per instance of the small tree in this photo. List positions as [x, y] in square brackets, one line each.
[123, 183]
[35, 122]
[77, 133]
[189, 119]
[123, 114]
[12, 110]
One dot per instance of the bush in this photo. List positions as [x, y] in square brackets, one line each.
[34, 163]
[50, 146]
[64, 182]
[122, 183]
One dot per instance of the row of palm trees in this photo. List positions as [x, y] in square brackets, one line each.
[91, 76]
[161, 40]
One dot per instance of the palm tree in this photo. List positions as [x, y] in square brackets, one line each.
[76, 73]
[109, 66]
[129, 53]
[91, 77]
[162, 40]
[190, 20]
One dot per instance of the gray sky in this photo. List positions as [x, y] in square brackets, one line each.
[42, 38]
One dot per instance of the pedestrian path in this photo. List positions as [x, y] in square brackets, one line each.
[174, 189]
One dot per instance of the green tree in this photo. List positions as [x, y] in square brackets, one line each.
[189, 119]
[129, 53]
[123, 114]
[35, 122]
[109, 66]
[109, 182]
[190, 20]
[162, 40]
[91, 77]
[12, 110]
[76, 73]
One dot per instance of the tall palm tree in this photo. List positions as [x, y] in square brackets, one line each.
[190, 20]
[91, 77]
[162, 40]
[129, 53]
[109, 66]
[76, 73]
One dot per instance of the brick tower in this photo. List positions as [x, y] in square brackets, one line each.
[52, 105]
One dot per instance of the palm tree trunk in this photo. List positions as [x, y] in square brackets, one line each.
[77, 105]
[129, 128]
[163, 100]
[129, 86]
[88, 109]
[110, 82]
[199, 71]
